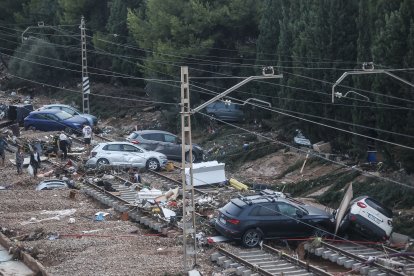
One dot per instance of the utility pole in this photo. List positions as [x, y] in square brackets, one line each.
[189, 215]
[188, 221]
[85, 79]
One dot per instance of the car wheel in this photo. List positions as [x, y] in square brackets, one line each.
[187, 157]
[153, 164]
[31, 128]
[102, 162]
[251, 238]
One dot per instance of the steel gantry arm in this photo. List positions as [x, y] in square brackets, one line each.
[364, 72]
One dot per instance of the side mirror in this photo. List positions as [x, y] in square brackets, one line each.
[299, 213]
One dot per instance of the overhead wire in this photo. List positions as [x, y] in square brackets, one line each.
[284, 114]
[326, 125]
[133, 77]
[358, 89]
[308, 152]
[98, 95]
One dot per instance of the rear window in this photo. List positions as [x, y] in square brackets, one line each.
[112, 147]
[379, 207]
[231, 209]
[154, 137]
[265, 210]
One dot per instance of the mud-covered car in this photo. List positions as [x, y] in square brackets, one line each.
[164, 142]
[368, 218]
[266, 216]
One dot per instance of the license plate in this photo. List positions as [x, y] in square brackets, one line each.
[374, 218]
[222, 220]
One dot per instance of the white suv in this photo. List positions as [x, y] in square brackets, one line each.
[369, 218]
[126, 154]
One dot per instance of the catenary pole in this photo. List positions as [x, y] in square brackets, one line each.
[85, 79]
[189, 214]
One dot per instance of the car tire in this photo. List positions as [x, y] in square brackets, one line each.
[31, 128]
[102, 162]
[187, 157]
[251, 238]
[153, 164]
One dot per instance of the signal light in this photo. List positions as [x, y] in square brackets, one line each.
[233, 221]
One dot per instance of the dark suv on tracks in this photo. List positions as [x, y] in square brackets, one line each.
[271, 215]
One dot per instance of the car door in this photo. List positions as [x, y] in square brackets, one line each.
[46, 122]
[289, 222]
[265, 218]
[38, 121]
[55, 123]
[150, 141]
[172, 147]
[133, 156]
[113, 152]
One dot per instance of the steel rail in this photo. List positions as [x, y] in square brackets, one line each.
[361, 259]
[301, 263]
[244, 262]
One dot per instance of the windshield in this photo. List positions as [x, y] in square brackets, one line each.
[63, 115]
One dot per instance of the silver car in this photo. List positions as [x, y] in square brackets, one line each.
[72, 111]
[125, 154]
[166, 143]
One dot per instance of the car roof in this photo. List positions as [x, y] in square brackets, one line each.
[62, 105]
[258, 199]
[152, 131]
[48, 111]
[120, 142]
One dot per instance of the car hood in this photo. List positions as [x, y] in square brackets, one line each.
[77, 119]
[88, 116]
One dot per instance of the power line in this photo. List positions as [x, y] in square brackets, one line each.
[358, 89]
[310, 153]
[326, 125]
[319, 117]
[98, 95]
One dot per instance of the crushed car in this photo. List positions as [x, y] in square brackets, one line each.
[54, 120]
[251, 219]
[226, 111]
[164, 142]
[51, 184]
[93, 121]
[368, 218]
[126, 154]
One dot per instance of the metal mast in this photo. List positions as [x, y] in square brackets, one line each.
[85, 78]
[188, 221]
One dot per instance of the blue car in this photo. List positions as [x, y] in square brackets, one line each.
[93, 121]
[54, 120]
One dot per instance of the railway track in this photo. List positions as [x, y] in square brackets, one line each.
[365, 260]
[265, 261]
[123, 199]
